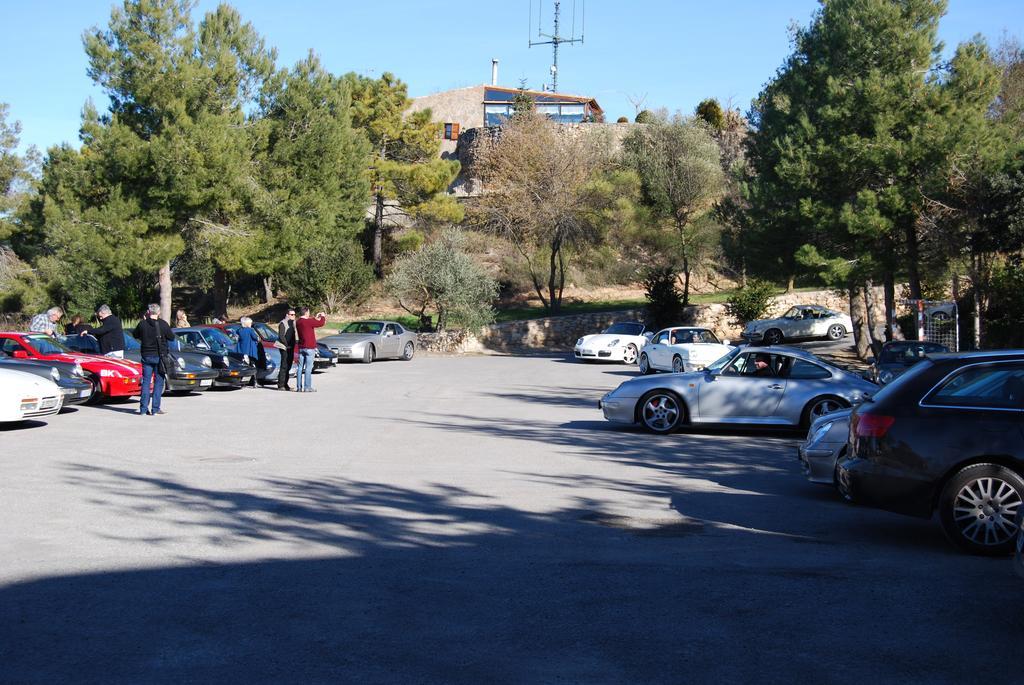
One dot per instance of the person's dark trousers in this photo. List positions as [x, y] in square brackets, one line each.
[287, 360]
[151, 374]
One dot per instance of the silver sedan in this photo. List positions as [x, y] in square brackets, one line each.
[770, 386]
[367, 341]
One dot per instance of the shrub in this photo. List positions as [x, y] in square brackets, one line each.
[644, 117]
[750, 302]
[330, 277]
[710, 111]
[1004, 318]
[622, 120]
[443, 278]
[664, 301]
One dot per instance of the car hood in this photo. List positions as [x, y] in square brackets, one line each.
[603, 339]
[94, 361]
[26, 382]
[635, 387]
[764, 323]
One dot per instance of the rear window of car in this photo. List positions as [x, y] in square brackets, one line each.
[805, 370]
[983, 386]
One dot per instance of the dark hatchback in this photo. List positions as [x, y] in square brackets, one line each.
[946, 436]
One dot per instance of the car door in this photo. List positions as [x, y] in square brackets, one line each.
[657, 350]
[737, 395]
[390, 341]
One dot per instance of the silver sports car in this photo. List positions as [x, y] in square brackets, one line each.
[800, 322]
[369, 340]
[824, 446]
[772, 386]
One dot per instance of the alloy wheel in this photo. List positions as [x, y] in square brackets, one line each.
[661, 413]
[773, 337]
[836, 332]
[824, 406]
[644, 364]
[677, 365]
[984, 511]
[409, 351]
[629, 355]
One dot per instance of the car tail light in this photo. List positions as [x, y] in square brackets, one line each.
[873, 425]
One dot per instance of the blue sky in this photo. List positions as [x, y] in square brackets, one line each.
[674, 52]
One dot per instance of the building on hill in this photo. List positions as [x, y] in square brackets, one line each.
[488, 105]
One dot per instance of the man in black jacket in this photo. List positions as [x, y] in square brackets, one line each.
[288, 338]
[153, 334]
[108, 334]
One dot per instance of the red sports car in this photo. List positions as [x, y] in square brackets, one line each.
[111, 377]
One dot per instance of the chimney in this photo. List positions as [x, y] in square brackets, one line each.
[494, 72]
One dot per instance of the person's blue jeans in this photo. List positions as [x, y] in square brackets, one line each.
[304, 371]
[151, 375]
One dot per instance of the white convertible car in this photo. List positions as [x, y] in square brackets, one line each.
[620, 342]
[27, 396]
[682, 349]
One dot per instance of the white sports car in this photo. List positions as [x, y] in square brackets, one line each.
[620, 342]
[800, 322]
[682, 349]
[27, 396]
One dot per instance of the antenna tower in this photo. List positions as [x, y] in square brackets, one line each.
[554, 39]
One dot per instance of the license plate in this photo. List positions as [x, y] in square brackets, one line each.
[48, 403]
[205, 384]
[83, 393]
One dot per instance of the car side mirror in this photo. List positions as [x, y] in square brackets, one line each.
[726, 342]
[20, 354]
[648, 335]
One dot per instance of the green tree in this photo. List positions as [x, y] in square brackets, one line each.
[644, 116]
[15, 172]
[711, 112]
[409, 179]
[678, 162]
[442, 278]
[750, 302]
[332, 276]
[173, 145]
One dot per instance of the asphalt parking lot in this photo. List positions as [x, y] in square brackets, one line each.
[463, 520]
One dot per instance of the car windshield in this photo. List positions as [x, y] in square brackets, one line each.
[218, 339]
[721, 362]
[909, 353]
[625, 329]
[686, 336]
[265, 331]
[366, 327]
[44, 344]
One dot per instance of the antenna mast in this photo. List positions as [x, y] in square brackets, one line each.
[554, 39]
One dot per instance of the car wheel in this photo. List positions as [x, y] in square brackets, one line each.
[629, 355]
[773, 336]
[820, 406]
[97, 391]
[978, 508]
[836, 331]
[408, 352]
[677, 364]
[661, 411]
[644, 364]
[369, 354]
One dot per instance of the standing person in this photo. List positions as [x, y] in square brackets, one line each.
[249, 345]
[153, 334]
[47, 321]
[287, 338]
[306, 327]
[76, 326]
[181, 320]
[108, 334]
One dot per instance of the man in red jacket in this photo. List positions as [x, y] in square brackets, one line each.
[306, 328]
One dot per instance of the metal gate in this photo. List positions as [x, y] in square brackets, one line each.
[937, 321]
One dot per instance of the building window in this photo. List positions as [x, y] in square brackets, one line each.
[451, 131]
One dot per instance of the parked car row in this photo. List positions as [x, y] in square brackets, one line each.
[42, 374]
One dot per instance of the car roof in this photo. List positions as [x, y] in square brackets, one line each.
[786, 349]
[978, 355]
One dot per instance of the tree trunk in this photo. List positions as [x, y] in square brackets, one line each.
[871, 307]
[166, 290]
[268, 289]
[686, 281]
[913, 262]
[553, 297]
[791, 284]
[378, 235]
[890, 306]
[858, 313]
[220, 292]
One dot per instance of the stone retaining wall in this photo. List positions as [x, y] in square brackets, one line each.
[561, 332]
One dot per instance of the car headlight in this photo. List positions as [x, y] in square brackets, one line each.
[613, 343]
[54, 374]
[885, 376]
[78, 370]
[226, 361]
[579, 342]
[819, 433]
[207, 363]
[181, 363]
